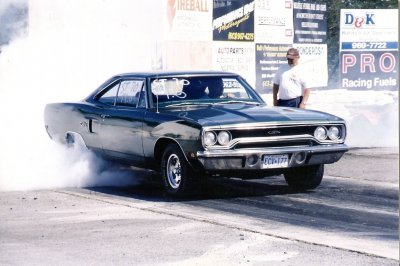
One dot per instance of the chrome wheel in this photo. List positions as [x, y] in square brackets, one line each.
[179, 178]
[174, 171]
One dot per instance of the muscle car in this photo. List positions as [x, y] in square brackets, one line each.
[188, 126]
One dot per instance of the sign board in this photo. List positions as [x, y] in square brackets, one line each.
[188, 20]
[269, 57]
[369, 49]
[314, 60]
[310, 23]
[273, 21]
[233, 20]
[237, 57]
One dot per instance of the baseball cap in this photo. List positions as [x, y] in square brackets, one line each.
[292, 53]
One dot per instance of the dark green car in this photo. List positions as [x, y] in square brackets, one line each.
[192, 125]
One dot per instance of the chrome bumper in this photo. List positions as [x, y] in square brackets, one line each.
[298, 156]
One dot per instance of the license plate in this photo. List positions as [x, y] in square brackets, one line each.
[276, 161]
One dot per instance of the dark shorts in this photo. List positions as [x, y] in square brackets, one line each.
[295, 102]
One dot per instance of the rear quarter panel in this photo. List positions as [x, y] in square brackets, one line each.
[61, 118]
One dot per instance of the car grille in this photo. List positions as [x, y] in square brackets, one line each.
[275, 136]
[273, 132]
[305, 143]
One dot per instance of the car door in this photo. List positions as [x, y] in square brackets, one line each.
[121, 124]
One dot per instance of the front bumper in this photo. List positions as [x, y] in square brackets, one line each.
[214, 160]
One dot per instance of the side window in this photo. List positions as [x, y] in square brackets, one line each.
[110, 96]
[142, 99]
[129, 93]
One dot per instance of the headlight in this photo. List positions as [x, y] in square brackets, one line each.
[209, 138]
[320, 133]
[224, 137]
[333, 133]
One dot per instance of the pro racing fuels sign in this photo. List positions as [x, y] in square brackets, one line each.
[369, 49]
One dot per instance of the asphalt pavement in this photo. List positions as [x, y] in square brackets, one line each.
[374, 164]
[351, 219]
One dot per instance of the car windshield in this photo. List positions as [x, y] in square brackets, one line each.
[180, 91]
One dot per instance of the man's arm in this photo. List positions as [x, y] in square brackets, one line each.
[305, 98]
[275, 89]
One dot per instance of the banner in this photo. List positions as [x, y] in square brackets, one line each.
[273, 21]
[310, 23]
[369, 49]
[188, 20]
[369, 25]
[369, 70]
[237, 57]
[314, 60]
[269, 57]
[233, 20]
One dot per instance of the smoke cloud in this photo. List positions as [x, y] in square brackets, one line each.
[371, 116]
[28, 158]
[13, 19]
[70, 49]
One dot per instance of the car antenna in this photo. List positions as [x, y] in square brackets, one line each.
[157, 98]
[157, 105]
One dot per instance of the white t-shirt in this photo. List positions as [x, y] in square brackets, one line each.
[291, 81]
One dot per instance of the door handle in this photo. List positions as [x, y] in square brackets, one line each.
[104, 116]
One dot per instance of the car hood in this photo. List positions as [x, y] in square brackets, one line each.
[230, 114]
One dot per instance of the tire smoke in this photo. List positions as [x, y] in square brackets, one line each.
[63, 56]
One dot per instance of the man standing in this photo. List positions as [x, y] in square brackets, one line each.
[290, 86]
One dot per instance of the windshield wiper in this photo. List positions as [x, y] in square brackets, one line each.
[236, 101]
[186, 104]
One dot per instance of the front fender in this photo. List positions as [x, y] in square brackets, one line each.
[187, 135]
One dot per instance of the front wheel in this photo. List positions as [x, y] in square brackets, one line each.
[304, 178]
[177, 175]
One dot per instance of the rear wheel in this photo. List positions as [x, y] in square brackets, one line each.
[74, 140]
[179, 178]
[69, 140]
[304, 178]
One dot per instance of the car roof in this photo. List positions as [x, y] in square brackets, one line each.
[160, 74]
[165, 73]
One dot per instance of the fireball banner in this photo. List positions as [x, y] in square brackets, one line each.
[189, 20]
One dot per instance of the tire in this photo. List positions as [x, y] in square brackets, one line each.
[178, 177]
[75, 141]
[305, 178]
[69, 140]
